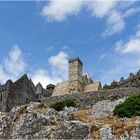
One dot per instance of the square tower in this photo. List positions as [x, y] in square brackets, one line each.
[75, 84]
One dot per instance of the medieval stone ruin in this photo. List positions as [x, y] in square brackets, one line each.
[77, 82]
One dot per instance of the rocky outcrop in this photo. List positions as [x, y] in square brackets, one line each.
[21, 92]
[18, 93]
[37, 121]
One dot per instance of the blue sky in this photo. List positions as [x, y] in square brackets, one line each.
[38, 38]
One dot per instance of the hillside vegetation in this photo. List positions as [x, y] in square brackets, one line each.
[129, 108]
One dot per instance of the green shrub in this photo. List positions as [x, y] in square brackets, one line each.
[129, 108]
[60, 105]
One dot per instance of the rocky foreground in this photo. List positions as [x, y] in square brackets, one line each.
[36, 120]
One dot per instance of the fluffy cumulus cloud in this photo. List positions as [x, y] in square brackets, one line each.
[57, 73]
[13, 65]
[115, 21]
[60, 9]
[131, 46]
[114, 11]
[101, 8]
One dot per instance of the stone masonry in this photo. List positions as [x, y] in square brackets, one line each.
[76, 83]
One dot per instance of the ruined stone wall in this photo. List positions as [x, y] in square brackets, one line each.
[132, 81]
[92, 87]
[61, 89]
[89, 98]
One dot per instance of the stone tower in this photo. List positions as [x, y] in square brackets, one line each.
[75, 76]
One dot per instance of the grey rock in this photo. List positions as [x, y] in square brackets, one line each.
[67, 111]
[33, 105]
[42, 93]
[18, 93]
[5, 124]
[30, 124]
[50, 89]
[106, 133]
[136, 134]
[39, 89]
[105, 108]
[71, 130]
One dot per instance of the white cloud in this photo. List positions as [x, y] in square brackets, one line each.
[114, 11]
[42, 75]
[59, 64]
[59, 10]
[57, 72]
[115, 23]
[131, 12]
[101, 8]
[116, 20]
[131, 46]
[13, 65]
